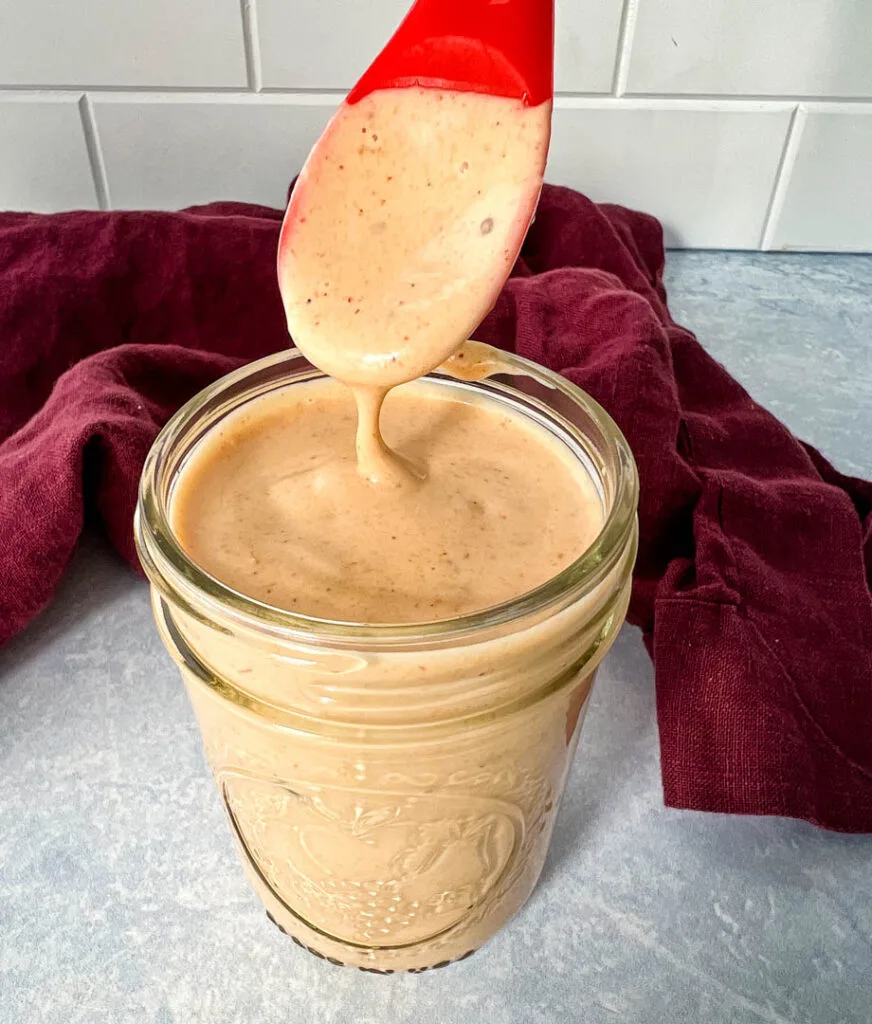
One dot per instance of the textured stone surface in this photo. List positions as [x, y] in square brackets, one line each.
[121, 899]
[796, 331]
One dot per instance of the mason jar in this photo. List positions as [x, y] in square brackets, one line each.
[392, 789]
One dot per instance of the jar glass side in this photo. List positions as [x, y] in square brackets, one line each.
[392, 789]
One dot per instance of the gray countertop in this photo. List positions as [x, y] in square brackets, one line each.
[121, 899]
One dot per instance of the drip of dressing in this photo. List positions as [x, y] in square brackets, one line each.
[402, 233]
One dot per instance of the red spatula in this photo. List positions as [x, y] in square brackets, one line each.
[410, 212]
[501, 47]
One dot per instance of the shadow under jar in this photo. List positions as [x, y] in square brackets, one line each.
[393, 789]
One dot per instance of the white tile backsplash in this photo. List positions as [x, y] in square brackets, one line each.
[170, 151]
[586, 45]
[679, 107]
[706, 172]
[44, 164]
[121, 43]
[322, 44]
[828, 200]
[753, 47]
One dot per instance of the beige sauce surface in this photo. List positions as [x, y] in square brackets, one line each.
[272, 504]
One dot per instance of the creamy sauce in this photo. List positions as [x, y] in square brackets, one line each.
[395, 855]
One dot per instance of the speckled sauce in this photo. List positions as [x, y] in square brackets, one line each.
[403, 226]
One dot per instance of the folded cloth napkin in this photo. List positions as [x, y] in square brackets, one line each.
[752, 585]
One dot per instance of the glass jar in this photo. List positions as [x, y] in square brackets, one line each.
[393, 789]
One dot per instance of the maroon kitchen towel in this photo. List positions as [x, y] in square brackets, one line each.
[752, 585]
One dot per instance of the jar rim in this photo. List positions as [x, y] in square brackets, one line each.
[172, 570]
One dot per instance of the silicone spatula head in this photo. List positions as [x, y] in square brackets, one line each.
[412, 207]
[501, 47]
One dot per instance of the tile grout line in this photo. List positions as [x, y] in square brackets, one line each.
[625, 45]
[251, 41]
[606, 101]
[144, 90]
[783, 175]
[754, 97]
[95, 151]
[37, 92]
